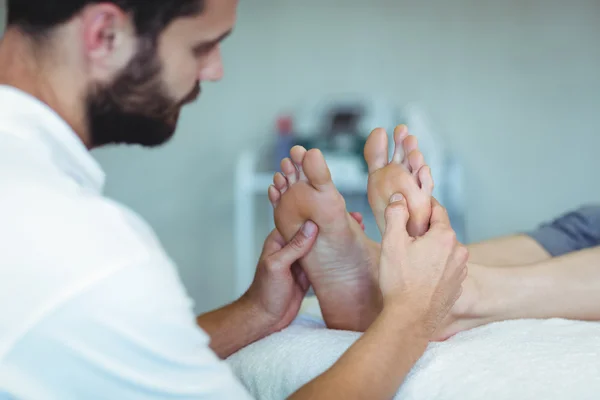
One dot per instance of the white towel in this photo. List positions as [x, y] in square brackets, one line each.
[524, 359]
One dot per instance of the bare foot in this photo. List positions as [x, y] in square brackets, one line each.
[407, 173]
[343, 264]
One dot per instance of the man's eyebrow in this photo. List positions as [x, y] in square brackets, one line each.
[223, 36]
[211, 43]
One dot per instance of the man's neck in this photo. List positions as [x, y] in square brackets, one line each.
[27, 68]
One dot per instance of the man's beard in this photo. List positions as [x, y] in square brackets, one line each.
[135, 107]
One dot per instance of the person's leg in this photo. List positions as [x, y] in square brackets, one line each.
[567, 287]
[508, 251]
[490, 291]
[558, 278]
[572, 231]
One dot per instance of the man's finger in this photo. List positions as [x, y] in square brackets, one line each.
[298, 247]
[459, 260]
[396, 217]
[439, 215]
[300, 277]
[273, 243]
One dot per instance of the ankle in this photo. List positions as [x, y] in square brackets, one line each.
[494, 291]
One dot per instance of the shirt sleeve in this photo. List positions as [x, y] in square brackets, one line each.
[131, 336]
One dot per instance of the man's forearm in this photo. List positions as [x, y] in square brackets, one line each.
[376, 365]
[562, 287]
[233, 327]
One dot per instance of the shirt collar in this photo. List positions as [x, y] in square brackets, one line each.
[24, 114]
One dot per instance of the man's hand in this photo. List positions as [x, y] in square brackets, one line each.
[420, 279]
[272, 301]
[280, 284]
[423, 274]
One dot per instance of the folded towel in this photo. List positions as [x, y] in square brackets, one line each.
[523, 359]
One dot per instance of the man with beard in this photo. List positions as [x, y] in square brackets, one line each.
[91, 307]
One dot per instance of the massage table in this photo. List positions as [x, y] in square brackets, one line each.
[522, 359]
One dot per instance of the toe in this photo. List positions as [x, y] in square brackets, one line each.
[376, 150]
[426, 180]
[316, 170]
[416, 161]
[280, 182]
[297, 154]
[289, 170]
[400, 134]
[410, 144]
[420, 214]
[274, 196]
[358, 218]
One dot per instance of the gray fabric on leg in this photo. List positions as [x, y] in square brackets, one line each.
[576, 230]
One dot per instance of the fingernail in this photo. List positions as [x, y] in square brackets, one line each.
[309, 228]
[396, 197]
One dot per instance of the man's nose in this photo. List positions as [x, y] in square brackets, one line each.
[212, 70]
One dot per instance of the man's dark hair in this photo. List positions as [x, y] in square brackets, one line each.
[38, 17]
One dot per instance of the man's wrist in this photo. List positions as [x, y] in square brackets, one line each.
[235, 326]
[262, 322]
[407, 319]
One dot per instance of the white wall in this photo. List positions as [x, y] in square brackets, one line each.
[513, 85]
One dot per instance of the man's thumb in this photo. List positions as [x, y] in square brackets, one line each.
[300, 244]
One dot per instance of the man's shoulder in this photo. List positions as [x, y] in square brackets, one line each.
[62, 233]
[57, 239]
[50, 214]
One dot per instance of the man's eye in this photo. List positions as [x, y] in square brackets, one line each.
[202, 50]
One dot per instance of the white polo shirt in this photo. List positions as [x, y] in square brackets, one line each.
[91, 307]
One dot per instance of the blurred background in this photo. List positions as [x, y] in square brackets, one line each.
[505, 96]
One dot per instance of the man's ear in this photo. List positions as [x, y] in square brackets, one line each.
[108, 36]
